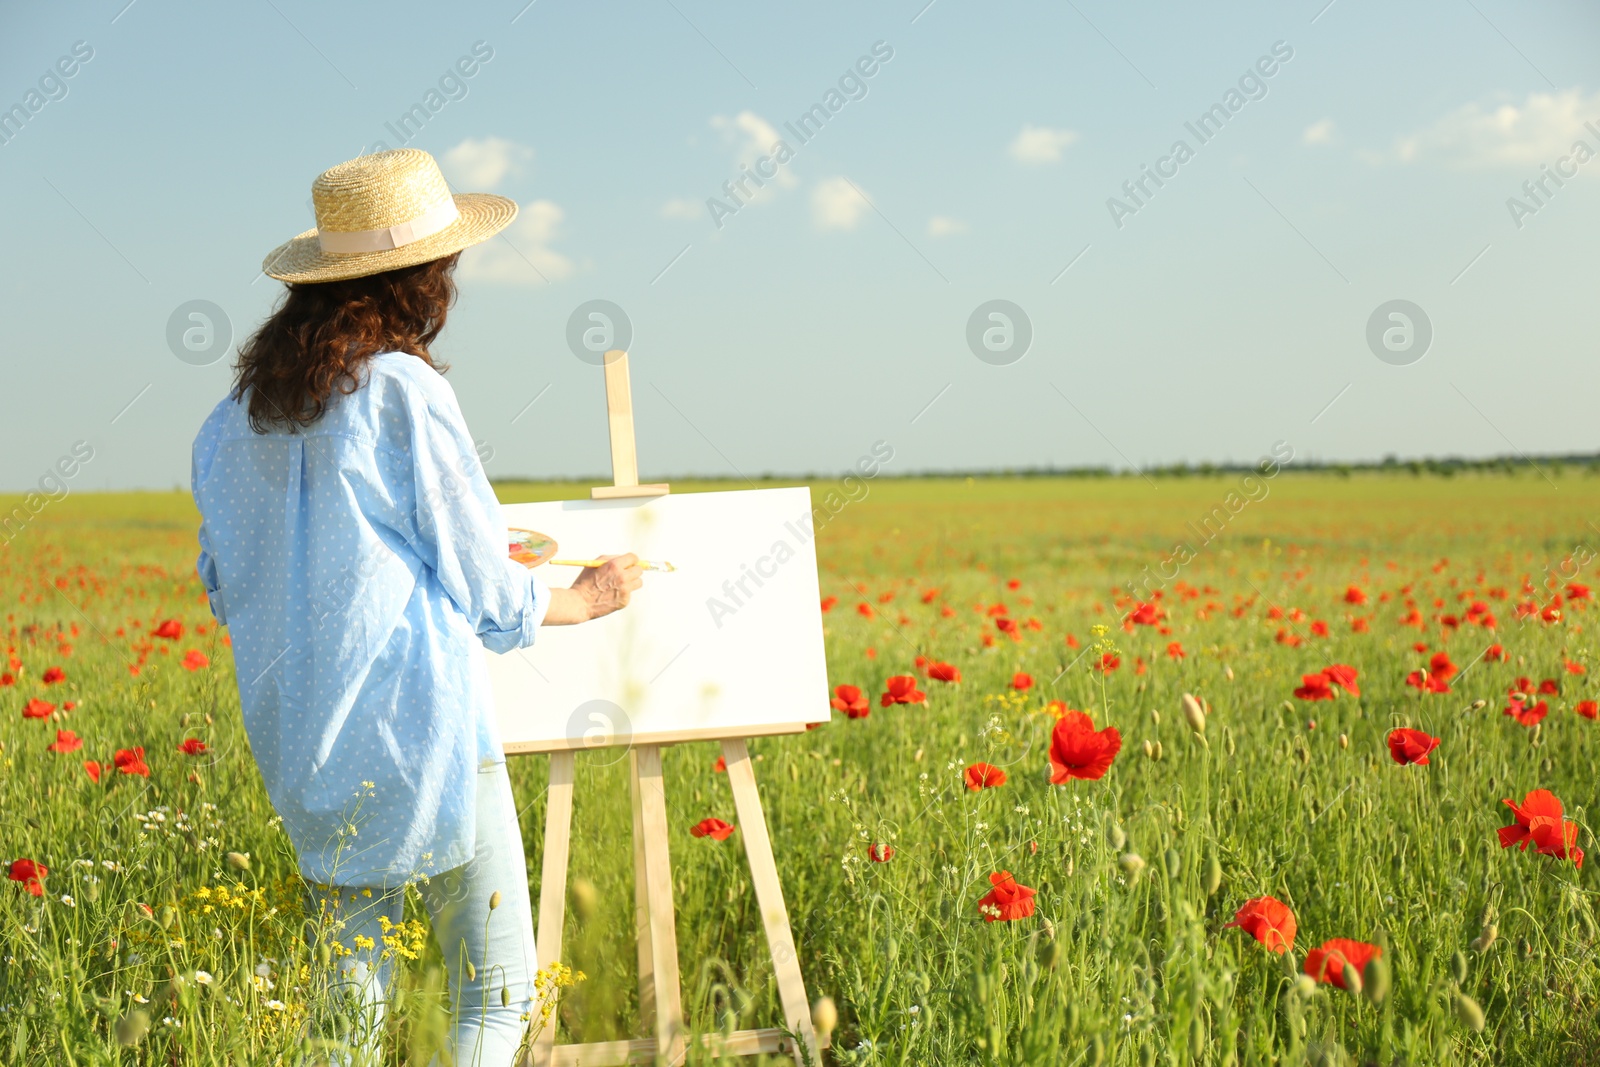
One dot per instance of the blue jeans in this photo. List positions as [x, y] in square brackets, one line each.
[485, 951]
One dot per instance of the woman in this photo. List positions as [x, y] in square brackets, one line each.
[352, 544]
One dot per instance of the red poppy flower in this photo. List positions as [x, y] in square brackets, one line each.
[864, 610]
[1326, 963]
[712, 828]
[194, 659]
[1411, 746]
[52, 675]
[1427, 682]
[1013, 583]
[131, 761]
[1077, 750]
[943, 672]
[1549, 687]
[1354, 595]
[1319, 629]
[902, 689]
[92, 769]
[852, 701]
[1526, 715]
[1269, 921]
[1441, 667]
[1588, 709]
[1007, 901]
[1314, 687]
[984, 776]
[929, 595]
[1573, 668]
[1008, 626]
[192, 746]
[1558, 838]
[880, 853]
[1175, 650]
[1494, 653]
[66, 741]
[38, 709]
[1021, 681]
[1344, 676]
[8, 679]
[721, 766]
[30, 874]
[170, 629]
[1108, 663]
[1145, 614]
[1538, 804]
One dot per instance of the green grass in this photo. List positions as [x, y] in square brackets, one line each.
[1112, 968]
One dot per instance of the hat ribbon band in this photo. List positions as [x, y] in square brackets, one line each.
[426, 224]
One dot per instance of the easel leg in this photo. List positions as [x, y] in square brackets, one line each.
[641, 905]
[553, 886]
[657, 878]
[769, 893]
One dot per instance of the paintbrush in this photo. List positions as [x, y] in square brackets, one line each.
[643, 564]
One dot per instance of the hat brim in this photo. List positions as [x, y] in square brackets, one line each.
[301, 259]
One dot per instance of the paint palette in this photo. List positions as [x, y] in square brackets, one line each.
[530, 547]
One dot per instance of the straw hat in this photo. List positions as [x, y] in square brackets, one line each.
[382, 212]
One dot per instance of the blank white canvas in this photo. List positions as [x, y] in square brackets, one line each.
[729, 643]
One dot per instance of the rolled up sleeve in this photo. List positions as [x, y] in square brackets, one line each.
[456, 529]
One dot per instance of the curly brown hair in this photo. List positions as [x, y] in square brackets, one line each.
[321, 335]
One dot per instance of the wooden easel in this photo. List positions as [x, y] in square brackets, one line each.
[660, 991]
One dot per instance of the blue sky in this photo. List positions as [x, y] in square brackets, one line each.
[1228, 312]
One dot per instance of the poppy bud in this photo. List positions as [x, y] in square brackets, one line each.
[824, 1016]
[1227, 672]
[1302, 753]
[1197, 1037]
[1375, 979]
[1132, 863]
[325, 954]
[1194, 714]
[505, 997]
[1344, 740]
[1489, 914]
[1213, 880]
[1155, 717]
[1115, 837]
[472, 972]
[494, 900]
[1227, 741]
[239, 861]
[1305, 985]
[1479, 705]
[1352, 978]
[167, 916]
[1469, 1012]
[1157, 747]
[1174, 862]
[1149, 750]
[1490, 934]
[1533, 738]
[1524, 948]
[1049, 955]
[1048, 927]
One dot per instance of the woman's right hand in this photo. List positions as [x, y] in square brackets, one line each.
[607, 588]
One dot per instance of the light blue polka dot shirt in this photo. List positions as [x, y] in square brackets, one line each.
[358, 564]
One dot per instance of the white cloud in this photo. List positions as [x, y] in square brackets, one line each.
[1040, 144]
[943, 226]
[524, 255]
[481, 164]
[753, 137]
[682, 209]
[835, 205]
[1318, 132]
[1538, 130]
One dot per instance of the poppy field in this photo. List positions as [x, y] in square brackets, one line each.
[1118, 773]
